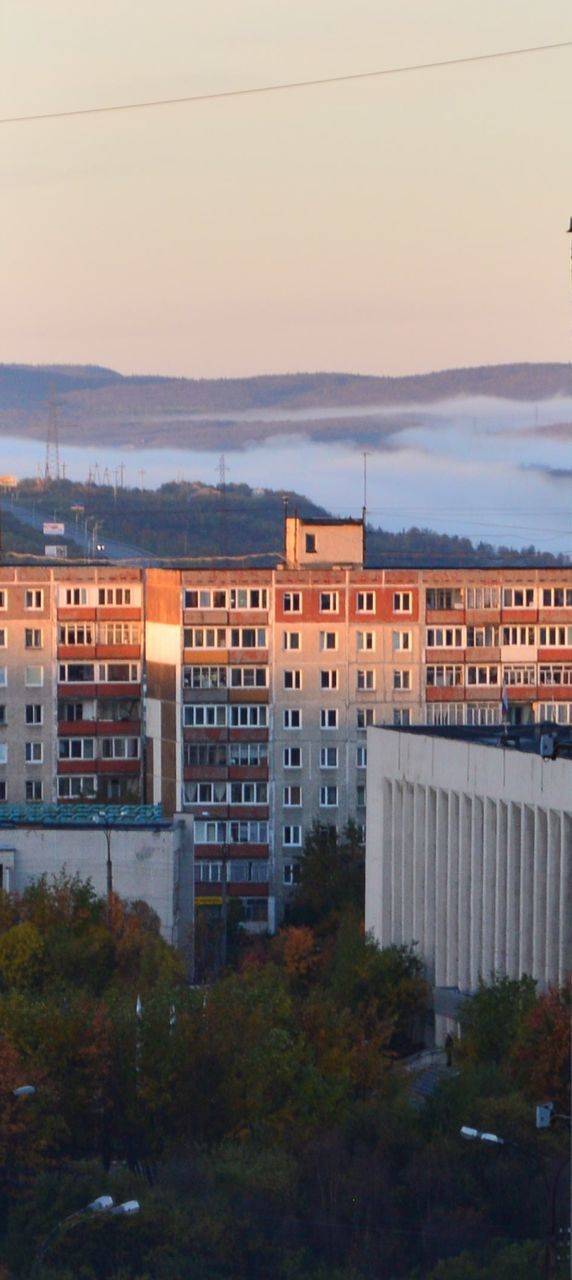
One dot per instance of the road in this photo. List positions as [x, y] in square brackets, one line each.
[113, 550]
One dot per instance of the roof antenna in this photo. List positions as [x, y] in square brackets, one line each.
[364, 508]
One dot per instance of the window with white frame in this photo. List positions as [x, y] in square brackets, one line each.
[328, 757]
[555, 673]
[443, 598]
[3, 791]
[211, 832]
[33, 637]
[554, 637]
[401, 678]
[558, 712]
[292, 834]
[114, 595]
[328, 797]
[483, 713]
[483, 597]
[444, 638]
[329, 601]
[557, 597]
[328, 640]
[118, 633]
[205, 792]
[445, 713]
[329, 678]
[482, 675]
[122, 748]
[76, 749]
[292, 757]
[77, 786]
[74, 633]
[365, 678]
[401, 716]
[3, 598]
[518, 597]
[202, 715]
[248, 638]
[118, 672]
[292, 602]
[292, 718]
[34, 790]
[328, 717]
[34, 752]
[34, 713]
[33, 677]
[3, 638]
[3, 677]
[204, 637]
[365, 602]
[443, 677]
[249, 793]
[291, 873]
[208, 871]
[2, 713]
[3, 753]
[292, 679]
[360, 795]
[248, 832]
[292, 797]
[249, 677]
[248, 598]
[361, 757]
[291, 640]
[487, 637]
[521, 673]
[365, 716]
[402, 602]
[205, 598]
[74, 596]
[365, 641]
[242, 871]
[33, 599]
[204, 677]
[401, 641]
[71, 673]
[247, 716]
[252, 754]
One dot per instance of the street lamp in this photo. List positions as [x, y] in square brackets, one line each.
[24, 1091]
[104, 817]
[102, 1204]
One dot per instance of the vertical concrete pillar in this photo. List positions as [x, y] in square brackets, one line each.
[551, 921]
[419, 880]
[476, 892]
[500, 962]
[487, 959]
[513, 875]
[465, 825]
[431, 886]
[526, 891]
[386, 870]
[397, 862]
[407, 863]
[448, 895]
[540, 879]
[565, 922]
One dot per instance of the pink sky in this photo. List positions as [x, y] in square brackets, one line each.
[387, 226]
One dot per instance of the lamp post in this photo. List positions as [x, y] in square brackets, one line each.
[107, 829]
[476, 1135]
[102, 1204]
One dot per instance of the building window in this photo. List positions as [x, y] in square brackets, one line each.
[205, 677]
[204, 599]
[310, 544]
[77, 786]
[365, 716]
[365, 602]
[292, 718]
[449, 637]
[293, 679]
[73, 633]
[365, 679]
[114, 595]
[401, 716]
[204, 637]
[444, 598]
[365, 640]
[402, 602]
[360, 795]
[328, 757]
[248, 598]
[34, 713]
[328, 640]
[202, 716]
[120, 748]
[557, 597]
[2, 713]
[3, 677]
[555, 673]
[3, 638]
[3, 791]
[292, 835]
[34, 790]
[34, 599]
[248, 792]
[34, 752]
[292, 602]
[75, 596]
[401, 679]
[483, 598]
[118, 673]
[488, 637]
[329, 678]
[519, 597]
[292, 797]
[328, 718]
[361, 758]
[401, 641]
[445, 713]
[34, 677]
[292, 757]
[3, 752]
[33, 638]
[76, 749]
[117, 633]
[482, 675]
[291, 640]
[247, 716]
[3, 598]
[443, 677]
[248, 638]
[329, 602]
[291, 872]
[558, 712]
[524, 675]
[328, 797]
[248, 677]
[549, 637]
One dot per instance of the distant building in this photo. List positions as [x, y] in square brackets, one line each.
[469, 851]
[243, 696]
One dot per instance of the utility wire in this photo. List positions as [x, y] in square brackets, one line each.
[287, 86]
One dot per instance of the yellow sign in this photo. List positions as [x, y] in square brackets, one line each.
[8, 482]
[208, 902]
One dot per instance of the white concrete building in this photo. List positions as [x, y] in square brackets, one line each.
[469, 853]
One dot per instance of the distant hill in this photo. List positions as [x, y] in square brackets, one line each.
[202, 413]
[202, 523]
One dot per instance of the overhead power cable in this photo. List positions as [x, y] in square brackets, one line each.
[287, 86]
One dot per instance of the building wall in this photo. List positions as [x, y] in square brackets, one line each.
[469, 854]
[150, 863]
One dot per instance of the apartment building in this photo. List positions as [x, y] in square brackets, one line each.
[243, 696]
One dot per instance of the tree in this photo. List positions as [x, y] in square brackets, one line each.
[492, 1020]
[332, 878]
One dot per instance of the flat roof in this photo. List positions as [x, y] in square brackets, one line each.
[522, 737]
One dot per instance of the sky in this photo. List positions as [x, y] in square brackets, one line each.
[390, 225]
